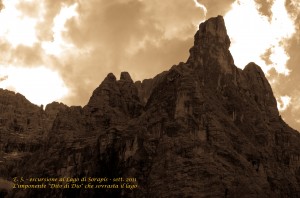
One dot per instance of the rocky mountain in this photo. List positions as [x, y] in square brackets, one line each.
[24, 128]
[205, 128]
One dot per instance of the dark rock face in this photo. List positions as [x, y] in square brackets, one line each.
[23, 132]
[202, 129]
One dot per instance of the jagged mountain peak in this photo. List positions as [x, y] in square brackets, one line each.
[211, 46]
[115, 97]
[253, 67]
[110, 77]
[125, 76]
[214, 27]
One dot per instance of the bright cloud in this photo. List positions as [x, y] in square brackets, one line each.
[16, 28]
[283, 102]
[19, 23]
[40, 85]
[58, 45]
[252, 34]
[199, 5]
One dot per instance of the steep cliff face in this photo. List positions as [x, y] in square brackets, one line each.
[23, 132]
[202, 129]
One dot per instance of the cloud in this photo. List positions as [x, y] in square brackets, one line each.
[48, 10]
[27, 56]
[292, 113]
[265, 7]
[40, 85]
[16, 28]
[265, 36]
[141, 37]
[283, 102]
[1, 5]
[2, 78]
[266, 56]
[21, 55]
[28, 8]
[288, 85]
[216, 7]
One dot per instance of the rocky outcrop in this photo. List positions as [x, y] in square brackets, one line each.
[211, 47]
[23, 131]
[146, 86]
[19, 121]
[202, 129]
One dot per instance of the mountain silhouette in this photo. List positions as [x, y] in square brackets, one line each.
[204, 128]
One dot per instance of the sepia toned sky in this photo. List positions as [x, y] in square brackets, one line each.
[62, 50]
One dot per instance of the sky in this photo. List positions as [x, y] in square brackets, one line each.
[61, 50]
